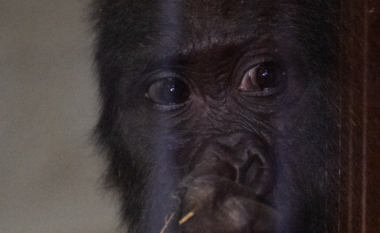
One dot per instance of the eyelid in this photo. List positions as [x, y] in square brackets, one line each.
[161, 107]
[242, 79]
[251, 62]
[251, 65]
[164, 76]
[156, 76]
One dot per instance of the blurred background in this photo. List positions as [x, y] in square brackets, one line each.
[50, 172]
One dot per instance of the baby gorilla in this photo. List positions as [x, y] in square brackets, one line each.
[218, 115]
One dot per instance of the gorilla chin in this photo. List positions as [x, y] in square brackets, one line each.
[219, 116]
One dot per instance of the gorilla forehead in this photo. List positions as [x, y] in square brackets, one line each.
[215, 22]
[174, 25]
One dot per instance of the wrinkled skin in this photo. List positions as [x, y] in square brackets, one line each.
[222, 109]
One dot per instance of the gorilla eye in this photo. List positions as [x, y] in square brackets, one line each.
[168, 91]
[260, 78]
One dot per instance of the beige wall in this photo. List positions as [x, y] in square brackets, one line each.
[49, 171]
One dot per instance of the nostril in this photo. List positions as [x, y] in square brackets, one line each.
[254, 171]
[223, 169]
[241, 158]
[217, 167]
[259, 177]
[242, 170]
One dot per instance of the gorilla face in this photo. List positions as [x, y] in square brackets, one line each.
[218, 116]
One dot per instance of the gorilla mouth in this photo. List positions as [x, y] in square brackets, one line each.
[216, 204]
[228, 193]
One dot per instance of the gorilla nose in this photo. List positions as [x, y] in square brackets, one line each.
[228, 187]
[239, 157]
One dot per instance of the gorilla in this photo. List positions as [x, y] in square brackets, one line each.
[220, 116]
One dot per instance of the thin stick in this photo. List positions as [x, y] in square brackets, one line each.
[186, 217]
[167, 221]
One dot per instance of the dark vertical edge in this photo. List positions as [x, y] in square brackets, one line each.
[351, 118]
[365, 117]
[372, 119]
[359, 199]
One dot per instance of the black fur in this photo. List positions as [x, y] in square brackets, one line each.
[242, 161]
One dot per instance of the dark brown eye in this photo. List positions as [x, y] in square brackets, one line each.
[260, 78]
[169, 91]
